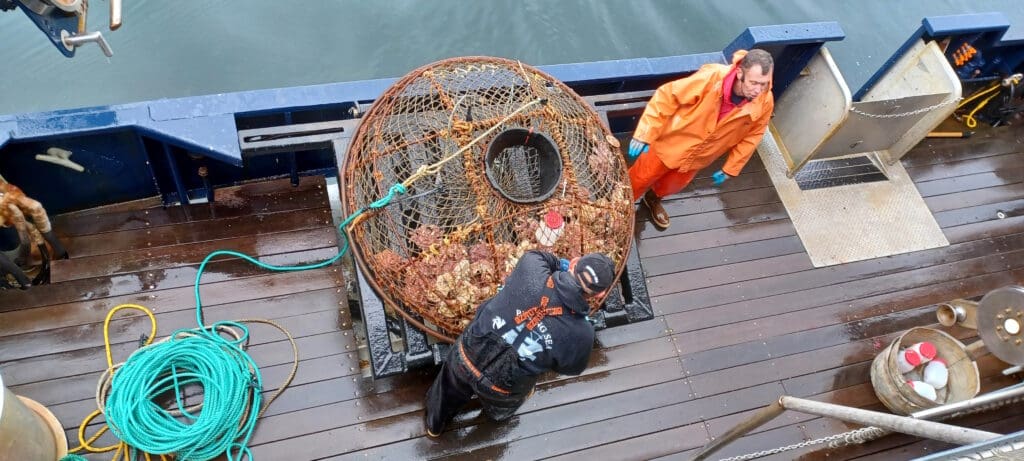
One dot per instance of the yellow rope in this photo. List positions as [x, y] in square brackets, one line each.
[994, 86]
[106, 328]
[121, 449]
[969, 119]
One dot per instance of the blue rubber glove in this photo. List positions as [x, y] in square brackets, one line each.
[565, 264]
[719, 177]
[637, 147]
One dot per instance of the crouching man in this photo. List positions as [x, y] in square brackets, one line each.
[537, 322]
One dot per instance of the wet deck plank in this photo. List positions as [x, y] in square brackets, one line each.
[741, 318]
[246, 200]
[52, 335]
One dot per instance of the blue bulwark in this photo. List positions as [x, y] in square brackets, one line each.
[792, 46]
[1003, 53]
[627, 69]
[6, 131]
[958, 24]
[200, 124]
[52, 24]
[143, 141]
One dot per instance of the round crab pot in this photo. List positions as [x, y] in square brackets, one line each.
[891, 386]
[490, 151]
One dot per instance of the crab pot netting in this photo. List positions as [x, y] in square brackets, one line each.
[549, 177]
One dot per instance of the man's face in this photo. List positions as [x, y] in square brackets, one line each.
[752, 81]
[590, 293]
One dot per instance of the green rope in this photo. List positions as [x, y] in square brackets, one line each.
[231, 387]
[231, 381]
[383, 202]
[73, 457]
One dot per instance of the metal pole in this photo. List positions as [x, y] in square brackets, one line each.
[903, 424]
[996, 398]
[992, 399]
[172, 164]
[762, 416]
[1016, 390]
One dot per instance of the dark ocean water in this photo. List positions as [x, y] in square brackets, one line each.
[170, 49]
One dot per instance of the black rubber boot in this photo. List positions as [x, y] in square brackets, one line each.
[43, 277]
[8, 267]
[58, 249]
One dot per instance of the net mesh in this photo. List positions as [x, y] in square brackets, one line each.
[446, 245]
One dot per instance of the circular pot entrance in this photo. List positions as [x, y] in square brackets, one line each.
[523, 166]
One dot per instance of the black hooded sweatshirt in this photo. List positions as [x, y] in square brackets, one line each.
[560, 340]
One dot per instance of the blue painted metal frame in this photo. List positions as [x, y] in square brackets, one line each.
[52, 25]
[208, 125]
[1004, 52]
[117, 169]
[172, 167]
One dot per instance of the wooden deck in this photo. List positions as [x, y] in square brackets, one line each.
[742, 317]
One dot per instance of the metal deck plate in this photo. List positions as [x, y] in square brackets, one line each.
[856, 221]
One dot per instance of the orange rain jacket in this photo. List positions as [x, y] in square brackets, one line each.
[681, 121]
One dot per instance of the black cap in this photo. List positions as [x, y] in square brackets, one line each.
[596, 270]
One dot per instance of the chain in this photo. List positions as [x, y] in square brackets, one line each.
[907, 114]
[861, 435]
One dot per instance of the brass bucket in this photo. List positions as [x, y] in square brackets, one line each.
[28, 431]
[891, 385]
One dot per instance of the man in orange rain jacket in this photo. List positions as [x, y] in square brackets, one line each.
[690, 122]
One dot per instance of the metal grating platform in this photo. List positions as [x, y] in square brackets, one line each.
[820, 174]
[854, 222]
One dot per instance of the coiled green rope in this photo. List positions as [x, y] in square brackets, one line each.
[231, 385]
[231, 381]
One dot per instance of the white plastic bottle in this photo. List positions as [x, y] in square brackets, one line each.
[550, 228]
[923, 389]
[925, 349]
[936, 373]
[906, 360]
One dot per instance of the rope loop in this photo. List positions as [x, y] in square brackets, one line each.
[385, 200]
[191, 359]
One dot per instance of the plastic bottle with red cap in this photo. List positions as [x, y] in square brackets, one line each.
[924, 349]
[550, 228]
[907, 359]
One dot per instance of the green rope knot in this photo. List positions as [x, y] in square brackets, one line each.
[385, 200]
